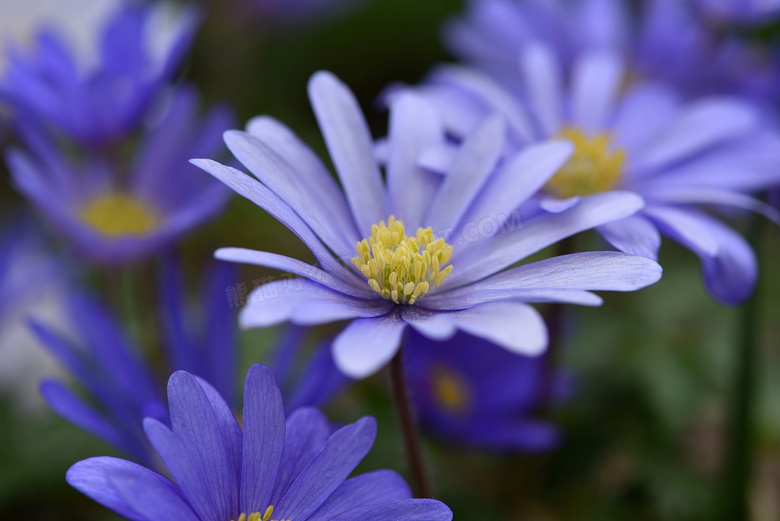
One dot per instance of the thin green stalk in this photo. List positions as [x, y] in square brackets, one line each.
[741, 434]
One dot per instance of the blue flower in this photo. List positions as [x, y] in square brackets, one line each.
[418, 248]
[269, 470]
[469, 391]
[640, 138]
[116, 209]
[666, 40]
[121, 383]
[99, 103]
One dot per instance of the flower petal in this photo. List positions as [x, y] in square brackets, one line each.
[596, 82]
[364, 491]
[414, 128]
[351, 149]
[506, 249]
[475, 162]
[302, 159]
[152, 496]
[303, 302]
[296, 267]
[307, 430]
[295, 188]
[259, 194]
[327, 471]
[634, 234]
[406, 509]
[264, 433]
[683, 226]
[696, 128]
[367, 344]
[541, 71]
[93, 478]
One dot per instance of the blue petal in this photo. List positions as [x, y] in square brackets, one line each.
[364, 492]
[264, 434]
[406, 509]
[351, 149]
[367, 344]
[322, 476]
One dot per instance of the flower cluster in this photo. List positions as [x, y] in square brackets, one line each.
[447, 249]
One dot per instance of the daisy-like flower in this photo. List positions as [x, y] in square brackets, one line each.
[415, 248]
[638, 137]
[122, 385]
[116, 209]
[271, 469]
[665, 40]
[471, 392]
[99, 100]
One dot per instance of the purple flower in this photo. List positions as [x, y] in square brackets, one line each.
[471, 392]
[122, 385]
[667, 40]
[99, 103]
[114, 209]
[639, 138]
[382, 266]
[270, 469]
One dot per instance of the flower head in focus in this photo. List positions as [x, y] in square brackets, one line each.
[114, 210]
[471, 392]
[415, 248]
[271, 469]
[636, 136]
[101, 100]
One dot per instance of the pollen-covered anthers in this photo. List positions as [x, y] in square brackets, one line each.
[257, 516]
[594, 167]
[399, 267]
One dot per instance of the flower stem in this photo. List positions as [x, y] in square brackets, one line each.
[409, 430]
[738, 447]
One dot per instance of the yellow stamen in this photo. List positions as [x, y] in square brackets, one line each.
[115, 214]
[450, 390]
[593, 168]
[399, 267]
[266, 516]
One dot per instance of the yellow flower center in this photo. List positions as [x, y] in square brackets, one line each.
[450, 390]
[593, 168]
[114, 214]
[266, 516]
[399, 267]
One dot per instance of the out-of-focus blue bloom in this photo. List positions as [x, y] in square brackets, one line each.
[398, 280]
[469, 391]
[270, 469]
[666, 40]
[31, 278]
[637, 137]
[114, 210]
[118, 378]
[111, 371]
[99, 103]
[317, 382]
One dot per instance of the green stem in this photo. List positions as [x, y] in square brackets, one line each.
[409, 430]
[739, 444]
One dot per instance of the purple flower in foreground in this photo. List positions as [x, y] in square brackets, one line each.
[382, 267]
[640, 138]
[471, 392]
[116, 210]
[99, 103]
[270, 469]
